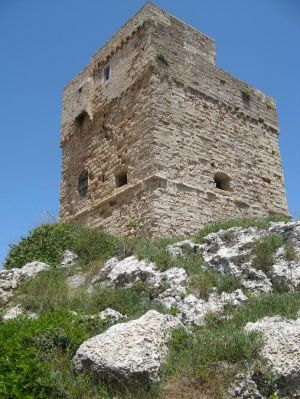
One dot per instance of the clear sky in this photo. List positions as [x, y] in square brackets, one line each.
[45, 43]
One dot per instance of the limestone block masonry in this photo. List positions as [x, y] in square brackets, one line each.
[154, 132]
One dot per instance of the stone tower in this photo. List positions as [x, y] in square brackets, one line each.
[153, 131]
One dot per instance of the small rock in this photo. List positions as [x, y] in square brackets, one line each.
[16, 311]
[132, 351]
[182, 248]
[111, 315]
[12, 313]
[244, 388]
[69, 258]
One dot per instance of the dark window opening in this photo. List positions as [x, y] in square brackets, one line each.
[222, 181]
[81, 118]
[83, 183]
[266, 179]
[106, 72]
[121, 179]
[80, 90]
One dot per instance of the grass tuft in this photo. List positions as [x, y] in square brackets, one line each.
[264, 251]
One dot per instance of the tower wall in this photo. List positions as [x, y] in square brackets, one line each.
[195, 143]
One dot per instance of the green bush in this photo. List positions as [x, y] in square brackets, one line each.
[29, 350]
[46, 243]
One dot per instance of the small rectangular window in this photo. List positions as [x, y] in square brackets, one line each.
[121, 179]
[106, 72]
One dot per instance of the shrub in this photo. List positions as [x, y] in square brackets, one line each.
[260, 223]
[264, 251]
[28, 349]
[46, 243]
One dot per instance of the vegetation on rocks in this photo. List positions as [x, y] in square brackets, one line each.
[36, 355]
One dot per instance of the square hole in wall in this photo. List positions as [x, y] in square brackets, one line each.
[121, 179]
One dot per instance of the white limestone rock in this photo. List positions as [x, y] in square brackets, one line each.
[10, 279]
[281, 348]
[286, 275]
[192, 310]
[227, 251]
[174, 277]
[16, 311]
[12, 313]
[126, 272]
[132, 351]
[182, 248]
[111, 316]
[69, 258]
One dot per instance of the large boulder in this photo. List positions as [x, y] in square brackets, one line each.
[132, 351]
[12, 278]
[281, 349]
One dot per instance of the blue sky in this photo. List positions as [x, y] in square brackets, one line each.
[45, 43]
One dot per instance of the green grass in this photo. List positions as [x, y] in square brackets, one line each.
[260, 223]
[210, 357]
[36, 355]
[290, 252]
[202, 283]
[263, 253]
[49, 292]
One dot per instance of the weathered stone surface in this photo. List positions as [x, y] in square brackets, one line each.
[16, 311]
[281, 349]
[69, 258]
[12, 278]
[169, 139]
[111, 316]
[125, 272]
[244, 387]
[131, 351]
[182, 248]
[286, 275]
[230, 252]
[192, 310]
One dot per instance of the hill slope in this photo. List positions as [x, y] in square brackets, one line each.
[89, 315]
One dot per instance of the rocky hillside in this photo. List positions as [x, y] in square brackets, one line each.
[88, 315]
